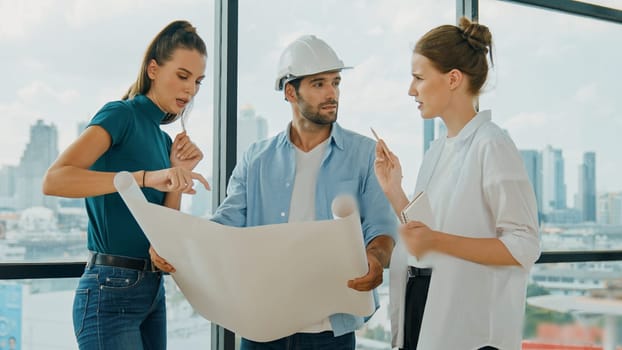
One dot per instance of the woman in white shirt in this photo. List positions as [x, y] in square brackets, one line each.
[485, 236]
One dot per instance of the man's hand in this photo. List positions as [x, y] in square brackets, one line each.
[372, 279]
[160, 262]
[378, 256]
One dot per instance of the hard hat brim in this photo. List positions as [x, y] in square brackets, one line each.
[283, 80]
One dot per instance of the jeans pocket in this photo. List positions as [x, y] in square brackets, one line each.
[120, 279]
[80, 306]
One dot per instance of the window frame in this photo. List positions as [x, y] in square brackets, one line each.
[225, 137]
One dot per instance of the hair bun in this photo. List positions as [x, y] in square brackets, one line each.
[478, 36]
[189, 28]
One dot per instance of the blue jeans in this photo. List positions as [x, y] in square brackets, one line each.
[305, 341]
[119, 308]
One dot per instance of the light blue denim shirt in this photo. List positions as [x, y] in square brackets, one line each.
[260, 191]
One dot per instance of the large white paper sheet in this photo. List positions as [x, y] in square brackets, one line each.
[262, 282]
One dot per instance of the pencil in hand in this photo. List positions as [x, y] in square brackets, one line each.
[387, 154]
[183, 124]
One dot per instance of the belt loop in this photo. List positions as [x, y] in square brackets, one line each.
[414, 271]
[90, 261]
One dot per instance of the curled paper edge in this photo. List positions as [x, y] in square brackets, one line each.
[343, 206]
[127, 187]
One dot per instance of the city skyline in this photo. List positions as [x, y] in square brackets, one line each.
[64, 60]
[56, 81]
[544, 168]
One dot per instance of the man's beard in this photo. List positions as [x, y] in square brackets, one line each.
[315, 115]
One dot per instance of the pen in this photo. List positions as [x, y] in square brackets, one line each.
[384, 148]
[183, 125]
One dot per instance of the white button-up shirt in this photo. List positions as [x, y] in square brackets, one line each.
[472, 305]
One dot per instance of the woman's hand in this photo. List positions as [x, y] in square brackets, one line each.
[388, 169]
[418, 238]
[184, 152]
[160, 262]
[175, 179]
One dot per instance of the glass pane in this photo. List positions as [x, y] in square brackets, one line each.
[37, 315]
[574, 306]
[186, 328]
[614, 4]
[374, 38]
[554, 91]
[377, 42]
[65, 60]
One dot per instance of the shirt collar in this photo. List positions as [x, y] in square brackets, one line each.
[336, 136]
[148, 108]
[474, 124]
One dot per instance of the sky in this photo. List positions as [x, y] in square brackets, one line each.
[554, 80]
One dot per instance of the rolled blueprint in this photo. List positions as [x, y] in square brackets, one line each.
[344, 206]
[263, 282]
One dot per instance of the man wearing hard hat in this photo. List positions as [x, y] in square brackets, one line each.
[295, 176]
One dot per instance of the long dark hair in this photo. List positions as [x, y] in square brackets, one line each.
[178, 34]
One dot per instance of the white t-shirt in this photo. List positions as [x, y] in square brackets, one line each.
[302, 205]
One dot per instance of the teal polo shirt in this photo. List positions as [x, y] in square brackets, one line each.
[138, 143]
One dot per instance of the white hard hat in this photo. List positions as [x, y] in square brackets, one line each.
[307, 55]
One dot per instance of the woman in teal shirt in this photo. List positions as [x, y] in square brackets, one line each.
[119, 301]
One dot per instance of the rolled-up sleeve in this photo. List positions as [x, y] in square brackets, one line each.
[377, 217]
[511, 201]
[232, 211]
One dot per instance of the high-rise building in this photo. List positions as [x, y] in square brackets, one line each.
[7, 187]
[251, 128]
[201, 201]
[40, 152]
[553, 183]
[609, 210]
[442, 128]
[428, 133]
[7, 181]
[81, 126]
[587, 187]
[533, 166]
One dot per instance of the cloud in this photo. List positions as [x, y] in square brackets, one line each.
[111, 93]
[39, 90]
[528, 121]
[376, 90]
[413, 18]
[15, 131]
[587, 93]
[77, 55]
[86, 12]
[20, 18]
[376, 31]
[535, 129]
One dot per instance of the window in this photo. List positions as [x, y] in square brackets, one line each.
[61, 62]
[374, 38]
[553, 91]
